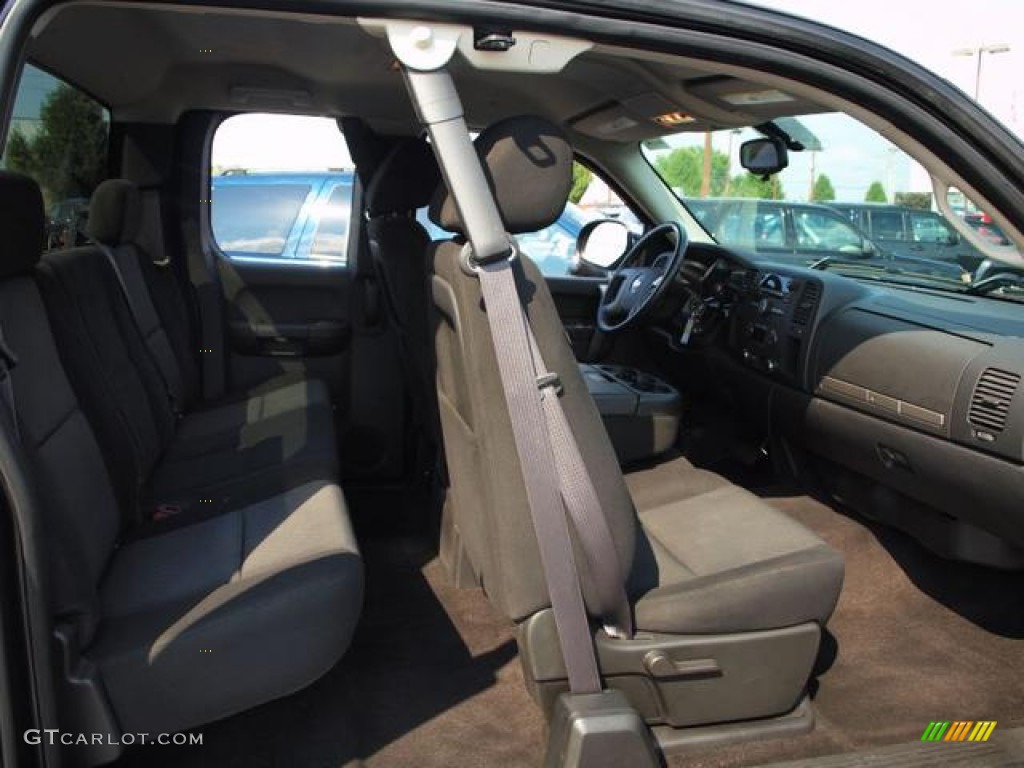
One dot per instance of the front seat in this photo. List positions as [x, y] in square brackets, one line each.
[729, 595]
[403, 182]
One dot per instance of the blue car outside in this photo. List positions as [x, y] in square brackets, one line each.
[305, 217]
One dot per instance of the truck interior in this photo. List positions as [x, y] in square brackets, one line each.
[279, 501]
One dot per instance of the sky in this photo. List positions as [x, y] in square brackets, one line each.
[929, 31]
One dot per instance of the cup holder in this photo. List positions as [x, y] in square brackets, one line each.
[637, 380]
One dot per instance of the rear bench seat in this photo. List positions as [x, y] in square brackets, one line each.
[211, 456]
[168, 628]
[115, 221]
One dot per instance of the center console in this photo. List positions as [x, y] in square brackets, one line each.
[640, 411]
[772, 322]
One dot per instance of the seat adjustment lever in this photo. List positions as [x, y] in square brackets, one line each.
[660, 666]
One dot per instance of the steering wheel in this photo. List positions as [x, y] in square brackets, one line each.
[635, 287]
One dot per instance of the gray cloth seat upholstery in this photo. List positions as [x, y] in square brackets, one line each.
[288, 409]
[718, 559]
[115, 221]
[268, 599]
[251, 586]
[134, 415]
[402, 182]
[698, 554]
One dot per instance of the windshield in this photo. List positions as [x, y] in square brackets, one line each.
[849, 201]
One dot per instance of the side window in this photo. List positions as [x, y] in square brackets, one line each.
[59, 137]
[817, 231]
[281, 190]
[752, 225]
[591, 197]
[887, 225]
[928, 228]
[255, 215]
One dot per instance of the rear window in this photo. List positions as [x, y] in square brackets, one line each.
[281, 190]
[59, 137]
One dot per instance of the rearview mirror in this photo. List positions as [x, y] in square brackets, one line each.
[600, 244]
[764, 157]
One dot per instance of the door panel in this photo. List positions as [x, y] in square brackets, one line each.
[286, 318]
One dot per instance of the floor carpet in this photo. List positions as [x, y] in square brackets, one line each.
[914, 639]
[432, 677]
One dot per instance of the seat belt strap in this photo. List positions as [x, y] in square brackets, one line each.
[583, 504]
[7, 362]
[575, 484]
[173, 398]
[523, 394]
[209, 300]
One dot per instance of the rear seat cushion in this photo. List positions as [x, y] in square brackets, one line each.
[216, 617]
[231, 468]
[295, 397]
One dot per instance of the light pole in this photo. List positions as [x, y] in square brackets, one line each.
[980, 52]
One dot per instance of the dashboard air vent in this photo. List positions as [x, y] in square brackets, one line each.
[990, 403]
[808, 303]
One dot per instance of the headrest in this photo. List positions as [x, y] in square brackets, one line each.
[115, 213]
[366, 147]
[528, 164]
[405, 179]
[22, 224]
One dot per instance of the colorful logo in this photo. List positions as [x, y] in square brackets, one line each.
[959, 730]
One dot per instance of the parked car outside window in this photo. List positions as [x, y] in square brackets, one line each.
[304, 217]
[806, 233]
[912, 231]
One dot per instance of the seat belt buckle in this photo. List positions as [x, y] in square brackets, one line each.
[552, 380]
[167, 511]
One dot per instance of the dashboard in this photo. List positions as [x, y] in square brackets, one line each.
[917, 392]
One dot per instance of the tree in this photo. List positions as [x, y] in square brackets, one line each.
[682, 169]
[67, 156]
[581, 177]
[876, 193]
[749, 185]
[823, 190]
[922, 200]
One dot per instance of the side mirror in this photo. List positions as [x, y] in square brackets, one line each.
[764, 157]
[600, 244]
